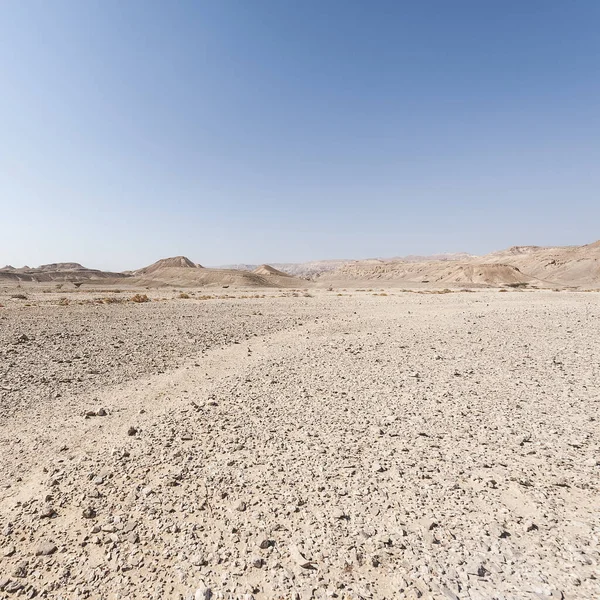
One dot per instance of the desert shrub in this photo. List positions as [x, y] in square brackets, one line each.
[77, 284]
[59, 286]
[503, 290]
[63, 302]
[111, 300]
[139, 298]
[184, 296]
[19, 296]
[520, 284]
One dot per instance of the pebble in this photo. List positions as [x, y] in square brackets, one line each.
[45, 549]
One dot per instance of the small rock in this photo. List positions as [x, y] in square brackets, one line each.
[89, 513]
[47, 512]
[132, 430]
[338, 513]
[45, 549]
[240, 506]
[203, 593]
[476, 568]
[257, 562]
[300, 559]
[21, 570]
[9, 550]
[133, 538]
[12, 586]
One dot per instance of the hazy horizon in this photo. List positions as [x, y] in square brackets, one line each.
[234, 132]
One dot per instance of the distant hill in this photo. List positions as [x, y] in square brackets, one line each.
[70, 271]
[269, 271]
[175, 262]
[533, 265]
[182, 272]
[560, 266]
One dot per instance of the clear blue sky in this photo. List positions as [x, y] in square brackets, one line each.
[273, 130]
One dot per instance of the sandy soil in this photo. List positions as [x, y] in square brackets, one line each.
[356, 446]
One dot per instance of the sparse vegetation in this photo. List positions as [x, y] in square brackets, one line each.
[64, 302]
[184, 296]
[19, 297]
[139, 298]
[110, 300]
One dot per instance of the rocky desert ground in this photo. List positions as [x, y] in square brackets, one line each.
[296, 444]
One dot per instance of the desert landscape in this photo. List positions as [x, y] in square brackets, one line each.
[417, 427]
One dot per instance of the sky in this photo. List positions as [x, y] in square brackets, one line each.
[251, 131]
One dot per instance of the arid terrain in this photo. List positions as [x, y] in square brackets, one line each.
[298, 442]
[560, 267]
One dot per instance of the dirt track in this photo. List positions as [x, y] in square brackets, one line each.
[409, 445]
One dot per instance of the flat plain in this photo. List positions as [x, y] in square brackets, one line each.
[296, 444]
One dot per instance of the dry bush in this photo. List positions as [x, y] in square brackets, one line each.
[139, 298]
[184, 296]
[503, 290]
[205, 297]
[64, 302]
[19, 297]
[111, 300]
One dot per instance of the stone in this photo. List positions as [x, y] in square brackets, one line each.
[21, 570]
[45, 549]
[203, 593]
[47, 512]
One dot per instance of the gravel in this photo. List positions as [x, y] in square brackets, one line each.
[355, 446]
